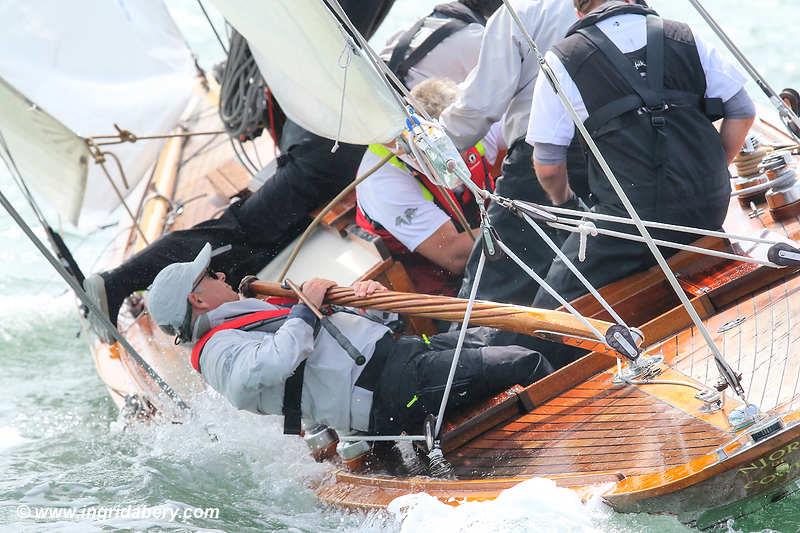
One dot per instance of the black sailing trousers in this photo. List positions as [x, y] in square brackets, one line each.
[412, 382]
[503, 280]
[307, 175]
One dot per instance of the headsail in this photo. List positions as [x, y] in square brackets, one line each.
[43, 147]
[92, 64]
[302, 51]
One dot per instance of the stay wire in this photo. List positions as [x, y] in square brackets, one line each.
[87, 301]
[213, 27]
[728, 374]
[460, 344]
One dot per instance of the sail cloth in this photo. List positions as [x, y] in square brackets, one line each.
[43, 147]
[91, 64]
[300, 49]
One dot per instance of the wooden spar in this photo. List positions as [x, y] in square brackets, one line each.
[556, 326]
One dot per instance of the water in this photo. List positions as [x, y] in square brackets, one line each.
[60, 446]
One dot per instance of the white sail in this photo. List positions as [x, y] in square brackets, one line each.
[300, 49]
[44, 149]
[91, 64]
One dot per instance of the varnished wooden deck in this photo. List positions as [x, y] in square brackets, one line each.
[592, 428]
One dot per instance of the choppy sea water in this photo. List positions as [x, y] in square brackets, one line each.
[60, 446]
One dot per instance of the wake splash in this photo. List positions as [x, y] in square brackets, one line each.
[534, 505]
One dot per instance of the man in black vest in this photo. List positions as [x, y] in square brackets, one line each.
[647, 90]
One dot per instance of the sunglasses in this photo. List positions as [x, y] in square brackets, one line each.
[208, 273]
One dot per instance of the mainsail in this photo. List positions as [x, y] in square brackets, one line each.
[309, 62]
[90, 65]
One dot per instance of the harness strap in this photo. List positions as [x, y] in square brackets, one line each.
[460, 16]
[292, 399]
[240, 322]
[655, 53]
[623, 65]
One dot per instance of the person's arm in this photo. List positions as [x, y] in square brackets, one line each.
[551, 130]
[739, 114]
[448, 248]
[733, 133]
[554, 181]
[724, 80]
[482, 98]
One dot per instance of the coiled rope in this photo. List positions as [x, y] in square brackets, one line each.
[243, 101]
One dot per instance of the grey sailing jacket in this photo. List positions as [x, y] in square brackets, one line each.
[249, 368]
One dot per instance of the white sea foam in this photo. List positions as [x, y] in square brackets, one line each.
[10, 437]
[533, 505]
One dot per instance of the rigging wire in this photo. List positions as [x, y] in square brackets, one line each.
[213, 27]
[81, 294]
[787, 115]
[460, 343]
[724, 368]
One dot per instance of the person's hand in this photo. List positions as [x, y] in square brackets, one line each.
[366, 288]
[315, 289]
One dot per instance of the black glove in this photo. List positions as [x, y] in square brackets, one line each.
[575, 203]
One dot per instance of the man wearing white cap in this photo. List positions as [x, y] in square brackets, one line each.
[274, 359]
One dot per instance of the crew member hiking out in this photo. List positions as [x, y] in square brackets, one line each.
[648, 90]
[273, 358]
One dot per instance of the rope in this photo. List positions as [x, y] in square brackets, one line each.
[655, 225]
[325, 210]
[528, 270]
[344, 63]
[125, 206]
[669, 244]
[569, 264]
[242, 99]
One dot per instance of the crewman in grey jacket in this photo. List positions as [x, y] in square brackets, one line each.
[271, 357]
[268, 357]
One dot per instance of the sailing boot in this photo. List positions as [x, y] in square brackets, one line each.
[95, 287]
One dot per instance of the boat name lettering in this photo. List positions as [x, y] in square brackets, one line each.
[775, 462]
[772, 459]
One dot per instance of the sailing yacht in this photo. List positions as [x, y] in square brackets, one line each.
[655, 422]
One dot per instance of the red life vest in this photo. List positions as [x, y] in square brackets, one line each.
[239, 323]
[480, 172]
[429, 277]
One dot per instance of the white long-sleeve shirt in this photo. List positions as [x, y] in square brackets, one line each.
[501, 84]
[249, 368]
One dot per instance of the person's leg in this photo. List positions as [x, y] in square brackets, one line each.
[256, 229]
[503, 280]
[413, 382]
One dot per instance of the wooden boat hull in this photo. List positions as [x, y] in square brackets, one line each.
[644, 448]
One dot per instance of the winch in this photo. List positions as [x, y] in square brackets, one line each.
[751, 183]
[783, 198]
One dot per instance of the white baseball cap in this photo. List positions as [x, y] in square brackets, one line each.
[166, 298]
